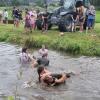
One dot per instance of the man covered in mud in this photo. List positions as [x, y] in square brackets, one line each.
[50, 79]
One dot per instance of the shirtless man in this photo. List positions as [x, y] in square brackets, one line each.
[51, 79]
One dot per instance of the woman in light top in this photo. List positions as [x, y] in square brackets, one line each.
[26, 58]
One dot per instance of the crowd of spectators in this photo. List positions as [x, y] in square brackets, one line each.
[80, 16]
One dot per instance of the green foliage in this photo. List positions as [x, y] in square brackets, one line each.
[15, 2]
[10, 98]
[14, 38]
[36, 41]
[40, 3]
[97, 16]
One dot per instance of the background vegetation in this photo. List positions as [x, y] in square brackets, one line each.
[37, 2]
[73, 43]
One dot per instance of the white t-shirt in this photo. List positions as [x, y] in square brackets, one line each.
[24, 58]
[5, 14]
[43, 52]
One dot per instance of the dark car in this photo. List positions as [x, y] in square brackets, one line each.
[62, 15]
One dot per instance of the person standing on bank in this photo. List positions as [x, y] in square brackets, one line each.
[81, 13]
[45, 22]
[5, 16]
[91, 18]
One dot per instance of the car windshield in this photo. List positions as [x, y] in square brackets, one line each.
[69, 4]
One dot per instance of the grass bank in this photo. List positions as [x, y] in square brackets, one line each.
[73, 43]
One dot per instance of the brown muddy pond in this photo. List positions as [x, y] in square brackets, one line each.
[84, 86]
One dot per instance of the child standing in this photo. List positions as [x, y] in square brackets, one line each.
[91, 17]
[5, 15]
[32, 18]
[27, 23]
[74, 17]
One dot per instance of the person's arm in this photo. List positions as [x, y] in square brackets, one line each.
[93, 12]
[62, 79]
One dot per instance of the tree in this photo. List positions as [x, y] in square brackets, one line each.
[39, 3]
[15, 2]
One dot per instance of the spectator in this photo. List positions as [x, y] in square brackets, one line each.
[91, 17]
[5, 16]
[20, 15]
[27, 23]
[16, 17]
[1, 16]
[32, 18]
[45, 22]
[81, 14]
[13, 12]
[74, 17]
[35, 16]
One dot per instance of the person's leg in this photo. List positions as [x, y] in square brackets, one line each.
[6, 20]
[34, 63]
[75, 27]
[17, 23]
[46, 27]
[34, 25]
[87, 26]
[81, 26]
[14, 22]
[26, 30]
[82, 20]
[43, 27]
[91, 25]
[72, 27]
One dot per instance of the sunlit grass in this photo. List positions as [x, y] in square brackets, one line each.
[74, 43]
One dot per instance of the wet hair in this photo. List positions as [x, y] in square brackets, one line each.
[68, 75]
[39, 70]
[24, 50]
[79, 4]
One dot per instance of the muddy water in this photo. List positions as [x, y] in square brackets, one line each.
[84, 86]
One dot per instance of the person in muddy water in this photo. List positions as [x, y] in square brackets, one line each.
[50, 79]
[26, 58]
[43, 51]
[43, 60]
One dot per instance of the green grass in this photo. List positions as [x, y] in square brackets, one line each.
[73, 43]
[97, 16]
